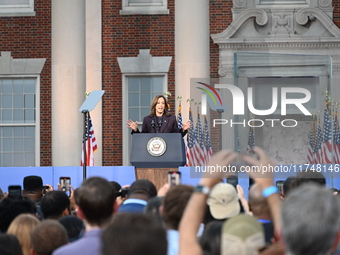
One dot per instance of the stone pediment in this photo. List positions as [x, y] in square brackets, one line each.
[252, 25]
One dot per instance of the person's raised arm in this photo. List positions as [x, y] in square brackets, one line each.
[264, 178]
[195, 209]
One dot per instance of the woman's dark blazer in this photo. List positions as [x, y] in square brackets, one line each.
[169, 125]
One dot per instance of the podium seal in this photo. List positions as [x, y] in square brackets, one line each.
[156, 146]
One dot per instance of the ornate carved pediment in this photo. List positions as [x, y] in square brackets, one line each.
[263, 22]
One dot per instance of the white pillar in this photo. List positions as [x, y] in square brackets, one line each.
[192, 54]
[68, 80]
[94, 67]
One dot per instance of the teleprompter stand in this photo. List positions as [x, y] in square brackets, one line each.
[88, 105]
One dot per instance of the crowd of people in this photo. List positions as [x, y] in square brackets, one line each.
[101, 217]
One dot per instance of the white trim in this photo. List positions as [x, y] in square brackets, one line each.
[144, 8]
[11, 10]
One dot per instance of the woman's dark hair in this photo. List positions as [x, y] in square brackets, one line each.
[210, 240]
[9, 244]
[154, 103]
[74, 226]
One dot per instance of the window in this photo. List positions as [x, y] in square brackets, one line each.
[141, 91]
[130, 7]
[13, 8]
[18, 121]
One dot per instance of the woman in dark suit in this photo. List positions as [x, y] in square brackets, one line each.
[159, 120]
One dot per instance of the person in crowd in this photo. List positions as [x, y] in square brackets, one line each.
[242, 235]
[310, 221]
[22, 227]
[194, 212]
[55, 204]
[95, 199]
[210, 241]
[310, 176]
[74, 226]
[11, 208]
[34, 189]
[288, 185]
[172, 210]
[47, 237]
[9, 245]
[223, 203]
[260, 209]
[159, 120]
[138, 195]
[152, 208]
[131, 234]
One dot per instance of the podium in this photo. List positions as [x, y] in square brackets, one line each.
[155, 154]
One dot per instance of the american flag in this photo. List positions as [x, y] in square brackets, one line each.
[336, 139]
[91, 145]
[190, 142]
[318, 145]
[311, 146]
[208, 148]
[327, 129]
[179, 118]
[200, 148]
[251, 140]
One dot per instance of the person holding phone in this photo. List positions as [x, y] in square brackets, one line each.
[159, 120]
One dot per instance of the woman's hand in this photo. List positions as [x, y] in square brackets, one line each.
[186, 125]
[132, 124]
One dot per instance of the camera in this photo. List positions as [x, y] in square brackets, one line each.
[45, 189]
[123, 192]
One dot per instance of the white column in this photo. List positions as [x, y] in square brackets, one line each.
[68, 80]
[94, 67]
[192, 54]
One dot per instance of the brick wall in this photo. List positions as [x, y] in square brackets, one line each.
[30, 37]
[124, 36]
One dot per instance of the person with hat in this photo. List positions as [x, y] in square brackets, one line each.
[223, 203]
[34, 189]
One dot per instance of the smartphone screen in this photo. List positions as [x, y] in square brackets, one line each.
[65, 183]
[174, 178]
[14, 191]
[279, 185]
[233, 180]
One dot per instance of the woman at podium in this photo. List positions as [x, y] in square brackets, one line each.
[159, 120]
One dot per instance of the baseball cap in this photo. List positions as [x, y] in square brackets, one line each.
[223, 201]
[32, 183]
[242, 235]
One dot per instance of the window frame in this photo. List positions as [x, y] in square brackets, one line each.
[17, 10]
[144, 8]
[125, 89]
[37, 114]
